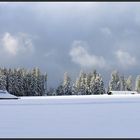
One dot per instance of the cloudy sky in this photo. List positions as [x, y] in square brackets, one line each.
[70, 36]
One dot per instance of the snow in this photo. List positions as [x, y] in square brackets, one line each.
[86, 116]
[6, 95]
[124, 92]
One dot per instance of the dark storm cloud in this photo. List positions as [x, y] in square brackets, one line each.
[111, 31]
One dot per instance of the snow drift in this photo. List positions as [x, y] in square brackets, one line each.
[6, 95]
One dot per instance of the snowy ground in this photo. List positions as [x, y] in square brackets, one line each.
[91, 116]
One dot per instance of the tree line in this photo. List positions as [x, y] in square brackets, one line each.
[23, 82]
[92, 84]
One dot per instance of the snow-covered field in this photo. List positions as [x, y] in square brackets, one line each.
[91, 116]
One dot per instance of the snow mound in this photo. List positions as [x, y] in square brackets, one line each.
[106, 96]
[6, 95]
[123, 92]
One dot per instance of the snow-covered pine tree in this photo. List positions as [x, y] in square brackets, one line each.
[122, 83]
[97, 85]
[114, 83]
[26, 84]
[36, 83]
[2, 80]
[35, 74]
[137, 84]
[93, 84]
[39, 81]
[80, 84]
[42, 83]
[15, 82]
[45, 83]
[25, 72]
[87, 83]
[30, 84]
[101, 89]
[10, 81]
[77, 86]
[19, 82]
[73, 89]
[67, 84]
[59, 90]
[5, 73]
[129, 83]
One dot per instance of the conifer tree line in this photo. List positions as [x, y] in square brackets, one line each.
[85, 84]
[93, 84]
[121, 83]
[23, 82]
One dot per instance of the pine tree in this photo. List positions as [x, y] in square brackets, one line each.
[93, 83]
[42, 83]
[59, 90]
[97, 85]
[11, 81]
[67, 84]
[19, 82]
[129, 83]
[122, 83]
[77, 86]
[102, 89]
[2, 80]
[114, 83]
[35, 74]
[45, 83]
[73, 89]
[83, 83]
[15, 82]
[137, 84]
[39, 81]
[87, 83]
[5, 73]
[80, 84]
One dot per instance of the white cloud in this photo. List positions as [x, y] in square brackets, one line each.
[10, 44]
[16, 45]
[125, 58]
[81, 56]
